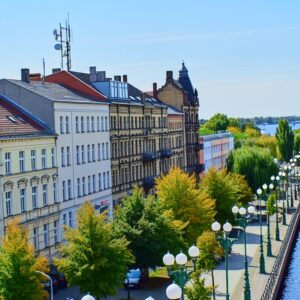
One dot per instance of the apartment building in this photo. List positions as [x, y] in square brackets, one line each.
[81, 122]
[28, 176]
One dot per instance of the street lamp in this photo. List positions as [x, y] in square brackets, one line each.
[226, 243]
[88, 297]
[262, 269]
[182, 275]
[51, 283]
[243, 222]
[174, 292]
[269, 244]
[150, 298]
[276, 180]
[282, 175]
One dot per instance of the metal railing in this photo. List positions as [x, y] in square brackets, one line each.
[272, 281]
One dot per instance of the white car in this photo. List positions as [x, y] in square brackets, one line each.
[133, 278]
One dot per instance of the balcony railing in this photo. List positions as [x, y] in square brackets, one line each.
[150, 155]
[166, 153]
[149, 182]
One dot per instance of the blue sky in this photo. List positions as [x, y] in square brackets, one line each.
[242, 56]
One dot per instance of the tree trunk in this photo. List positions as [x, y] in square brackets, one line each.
[213, 284]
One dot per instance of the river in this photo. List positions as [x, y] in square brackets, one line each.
[270, 129]
[291, 290]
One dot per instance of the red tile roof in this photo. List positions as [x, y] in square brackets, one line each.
[15, 122]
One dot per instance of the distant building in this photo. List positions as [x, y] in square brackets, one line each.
[81, 123]
[181, 95]
[216, 148]
[28, 176]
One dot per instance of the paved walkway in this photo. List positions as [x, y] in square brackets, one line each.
[236, 262]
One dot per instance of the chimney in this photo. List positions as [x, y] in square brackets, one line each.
[25, 75]
[101, 76]
[117, 78]
[93, 74]
[35, 77]
[154, 89]
[169, 76]
[125, 78]
[55, 70]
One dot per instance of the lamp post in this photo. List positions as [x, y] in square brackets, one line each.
[51, 283]
[174, 292]
[282, 175]
[226, 243]
[269, 244]
[243, 222]
[262, 269]
[181, 276]
[286, 174]
[276, 180]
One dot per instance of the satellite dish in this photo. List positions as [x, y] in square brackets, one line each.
[55, 32]
[57, 46]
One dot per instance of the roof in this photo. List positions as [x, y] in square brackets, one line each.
[185, 82]
[173, 111]
[15, 121]
[54, 92]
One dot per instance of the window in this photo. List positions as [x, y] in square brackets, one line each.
[22, 161]
[64, 190]
[44, 159]
[107, 156]
[69, 190]
[45, 194]
[65, 219]
[78, 188]
[94, 183]
[54, 192]
[68, 156]
[77, 124]
[67, 125]
[102, 124]
[104, 181]
[89, 185]
[82, 154]
[77, 155]
[87, 124]
[7, 162]
[36, 238]
[61, 122]
[103, 151]
[55, 231]
[53, 157]
[100, 181]
[46, 235]
[8, 203]
[82, 124]
[93, 124]
[98, 124]
[62, 156]
[83, 186]
[23, 199]
[93, 153]
[70, 219]
[34, 197]
[107, 179]
[106, 123]
[99, 152]
[88, 153]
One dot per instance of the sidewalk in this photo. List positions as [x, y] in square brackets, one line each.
[236, 262]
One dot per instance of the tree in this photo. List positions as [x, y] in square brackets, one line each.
[227, 190]
[178, 192]
[255, 163]
[271, 204]
[205, 131]
[197, 290]
[217, 122]
[269, 142]
[297, 143]
[151, 230]
[18, 265]
[92, 257]
[210, 252]
[285, 140]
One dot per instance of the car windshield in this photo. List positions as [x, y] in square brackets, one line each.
[134, 274]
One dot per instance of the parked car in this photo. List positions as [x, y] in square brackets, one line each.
[134, 279]
[57, 277]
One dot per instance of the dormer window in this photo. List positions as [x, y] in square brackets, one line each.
[12, 119]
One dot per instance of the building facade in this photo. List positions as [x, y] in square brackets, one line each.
[181, 95]
[28, 177]
[83, 141]
[216, 148]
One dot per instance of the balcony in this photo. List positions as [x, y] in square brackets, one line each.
[148, 182]
[198, 146]
[150, 155]
[166, 153]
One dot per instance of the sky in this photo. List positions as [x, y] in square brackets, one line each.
[243, 56]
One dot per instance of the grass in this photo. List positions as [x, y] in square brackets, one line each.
[159, 272]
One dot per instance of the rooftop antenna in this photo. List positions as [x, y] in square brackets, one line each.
[43, 79]
[63, 36]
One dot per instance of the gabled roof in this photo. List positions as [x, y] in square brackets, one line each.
[185, 82]
[15, 121]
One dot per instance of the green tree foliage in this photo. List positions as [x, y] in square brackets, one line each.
[255, 163]
[205, 131]
[227, 190]
[271, 204]
[285, 140]
[92, 257]
[297, 143]
[178, 192]
[197, 289]
[217, 122]
[269, 142]
[18, 265]
[151, 230]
